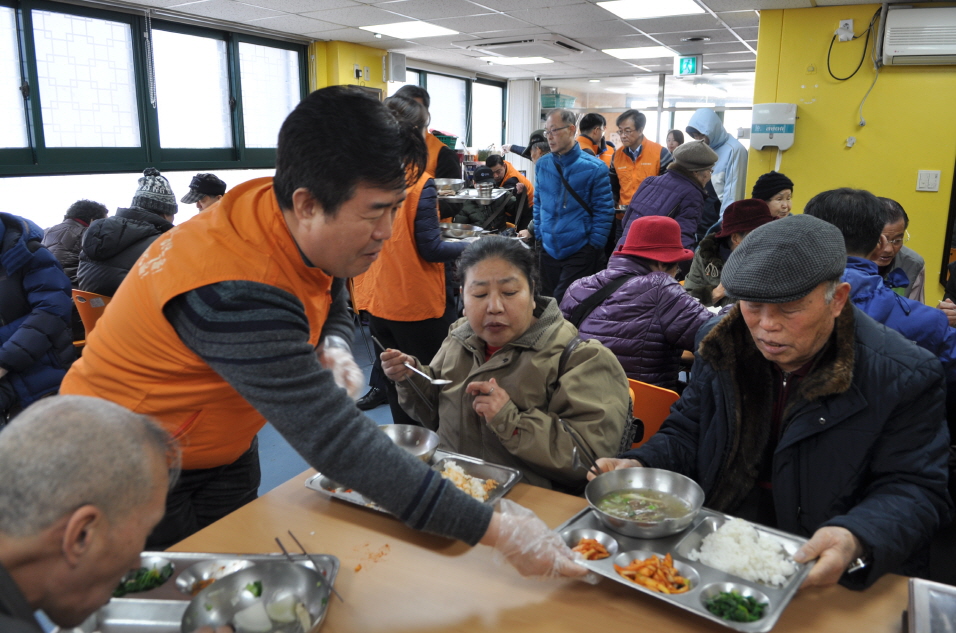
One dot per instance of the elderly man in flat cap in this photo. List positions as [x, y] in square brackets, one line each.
[805, 414]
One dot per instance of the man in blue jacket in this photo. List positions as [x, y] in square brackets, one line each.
[573, 207]
[860, 216]
[730, 172]
[36, 342]
[804, 413]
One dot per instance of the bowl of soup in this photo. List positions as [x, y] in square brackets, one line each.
[645, 502]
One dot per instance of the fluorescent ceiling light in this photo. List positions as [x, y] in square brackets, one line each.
[644, 52]
[517, 61]
[643, 9]
[409, 30]
[594, 81]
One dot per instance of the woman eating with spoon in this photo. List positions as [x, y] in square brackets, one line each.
[509, 386]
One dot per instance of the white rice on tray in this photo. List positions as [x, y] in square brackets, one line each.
[477, 488]
[739, 549]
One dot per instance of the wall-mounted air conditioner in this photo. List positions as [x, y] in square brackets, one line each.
[920, 36]
[537, 46]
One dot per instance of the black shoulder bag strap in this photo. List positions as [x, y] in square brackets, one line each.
[586, 307]
[574, 194]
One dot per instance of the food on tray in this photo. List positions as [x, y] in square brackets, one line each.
[655, 573]
[446, 192]
[643, 504]
[740, 549]
[199, 585]
[260, 617]
[477, 488]
[143, 579]
[591, 549]
[730, 605]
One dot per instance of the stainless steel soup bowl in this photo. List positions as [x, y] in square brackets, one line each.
[449, 184]
[417, 440]
[657, 479]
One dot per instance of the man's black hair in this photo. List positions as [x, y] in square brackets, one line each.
[86, 210]
[894, 212]
[311, 154]
[494, 160]
[857, 213]
[415, 92]
[590, 121]
[543, 147]
[638, 117]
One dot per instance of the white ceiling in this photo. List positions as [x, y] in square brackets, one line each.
[731, 26]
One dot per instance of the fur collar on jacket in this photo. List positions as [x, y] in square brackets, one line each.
[729, 349]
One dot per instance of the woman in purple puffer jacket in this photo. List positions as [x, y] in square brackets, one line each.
[649, 320]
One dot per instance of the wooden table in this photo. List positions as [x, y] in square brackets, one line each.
[396, 579]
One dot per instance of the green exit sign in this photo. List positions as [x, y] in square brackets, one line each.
[686, 65]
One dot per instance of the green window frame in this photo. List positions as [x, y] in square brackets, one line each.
[38, 159]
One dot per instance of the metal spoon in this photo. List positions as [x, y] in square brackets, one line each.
[434, 381]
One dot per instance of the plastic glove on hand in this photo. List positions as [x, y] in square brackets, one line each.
[534, 550]
[337, 357]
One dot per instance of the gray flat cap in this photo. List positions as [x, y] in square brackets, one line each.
[784, 260]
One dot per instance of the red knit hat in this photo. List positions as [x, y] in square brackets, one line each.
[655, 237]
[743, 216]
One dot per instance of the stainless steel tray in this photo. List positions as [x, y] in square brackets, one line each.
[160, 610]
[932, 607]
[472, 194]
[703, 578]
[505, 476]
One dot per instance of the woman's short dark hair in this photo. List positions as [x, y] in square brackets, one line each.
[678, 136]
[495, 247]
[415, 92]
[413, 119]
[311, 153]
[86, 210]
[894, 211]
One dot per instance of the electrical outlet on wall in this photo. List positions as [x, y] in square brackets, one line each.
[845, 30]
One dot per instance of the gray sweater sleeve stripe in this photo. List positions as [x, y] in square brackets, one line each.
[276, 370]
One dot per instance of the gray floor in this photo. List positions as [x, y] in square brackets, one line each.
[279, 461]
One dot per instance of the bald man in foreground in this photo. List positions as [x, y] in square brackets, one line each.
[84, 483]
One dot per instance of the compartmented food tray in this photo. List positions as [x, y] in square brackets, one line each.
[474, 467]
[161, 610]
[932, 606]
[705, 582]
[472, 194]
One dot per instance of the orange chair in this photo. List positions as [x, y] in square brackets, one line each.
[90, 306]
[652, 405]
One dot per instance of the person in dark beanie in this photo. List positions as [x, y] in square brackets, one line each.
[776, 190]
[65, 240]
[703, 280]
[678, 194]
[112, 246]
[204, 191]
[804, 414]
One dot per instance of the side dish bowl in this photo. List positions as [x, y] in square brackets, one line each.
[417, 440]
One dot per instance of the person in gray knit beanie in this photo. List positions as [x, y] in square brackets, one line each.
[154, 194]
[695, 156]
[784, 260]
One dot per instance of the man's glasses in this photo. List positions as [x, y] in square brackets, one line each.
[550, 133]
[900, 240]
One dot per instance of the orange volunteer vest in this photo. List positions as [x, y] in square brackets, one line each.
[592, 147]
[135, 358]
[511, 172]
[630, 173]
[434, 146]
[400, 285]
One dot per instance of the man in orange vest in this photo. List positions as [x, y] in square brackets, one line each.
[591, 137]
[221, 325]
[442, 160]
[637, 159]
[508, 177]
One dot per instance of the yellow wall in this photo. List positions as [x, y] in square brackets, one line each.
[332, 64]
[909, 122]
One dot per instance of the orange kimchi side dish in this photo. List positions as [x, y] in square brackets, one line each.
[591, 549]
[655, 573]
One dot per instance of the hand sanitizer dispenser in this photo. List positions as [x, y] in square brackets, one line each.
[772, 125]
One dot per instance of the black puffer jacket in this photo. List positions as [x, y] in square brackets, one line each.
[64, 241]
[111, 247]
[863, 446]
